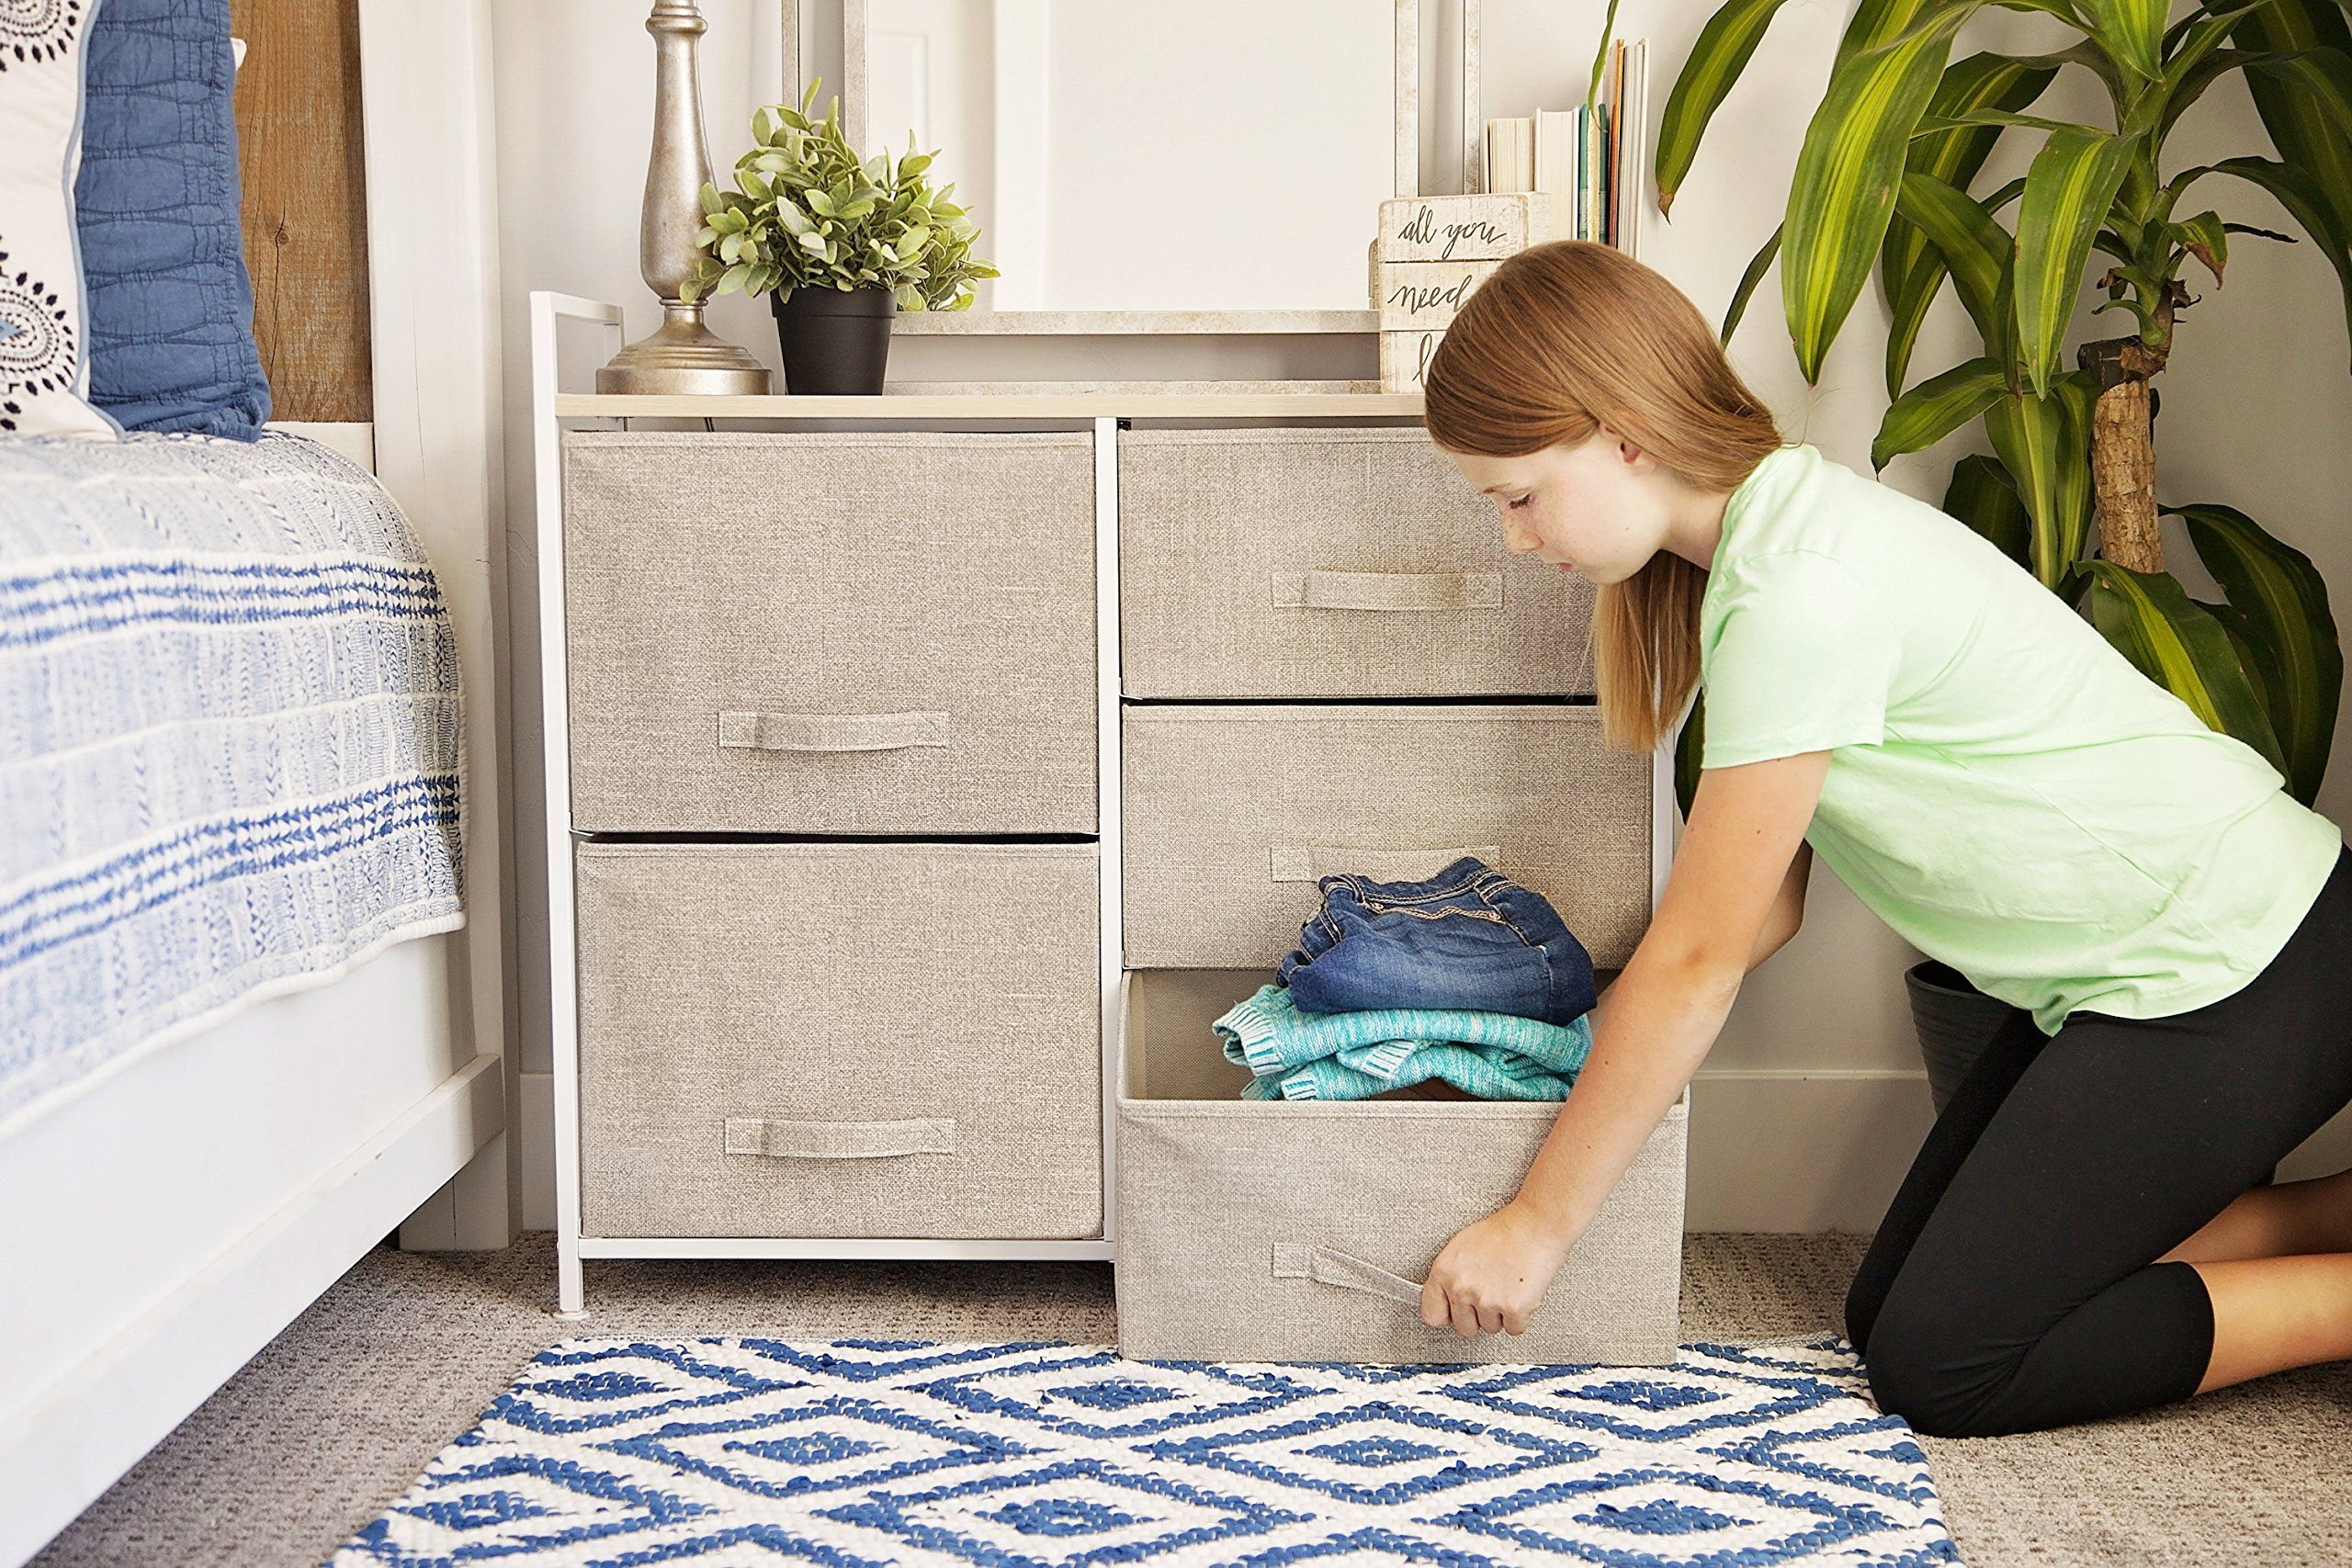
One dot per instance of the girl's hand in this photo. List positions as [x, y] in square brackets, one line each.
[1490, 1276]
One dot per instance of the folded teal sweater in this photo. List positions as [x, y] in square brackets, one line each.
[1352, 1055]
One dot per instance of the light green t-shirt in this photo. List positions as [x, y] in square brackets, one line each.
[2005, 789]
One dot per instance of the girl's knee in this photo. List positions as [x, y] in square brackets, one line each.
[1931, 1374]
[1862, 1300]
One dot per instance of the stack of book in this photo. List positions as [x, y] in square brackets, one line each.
[1558, 175]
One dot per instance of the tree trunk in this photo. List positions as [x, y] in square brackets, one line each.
[2123, 453]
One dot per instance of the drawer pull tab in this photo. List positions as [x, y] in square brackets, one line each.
[1388, 591]
[1312, 863]
[840, 1140]
[1298, 1261]
[831, 731]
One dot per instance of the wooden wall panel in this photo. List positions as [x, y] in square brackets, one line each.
[299, 157]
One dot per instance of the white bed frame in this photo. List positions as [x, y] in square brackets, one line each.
[163, 1222]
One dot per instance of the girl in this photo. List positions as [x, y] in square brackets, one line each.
[2083, 1233]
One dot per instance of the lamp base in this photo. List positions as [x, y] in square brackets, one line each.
[684, 356]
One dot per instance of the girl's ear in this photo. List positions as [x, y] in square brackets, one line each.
[1630, 452]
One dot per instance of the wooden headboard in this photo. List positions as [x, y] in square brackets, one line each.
[300, 159]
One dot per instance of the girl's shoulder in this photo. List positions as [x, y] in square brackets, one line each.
[1799, 498]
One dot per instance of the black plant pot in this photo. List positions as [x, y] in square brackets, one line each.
[1955, 1021]
[834, 340]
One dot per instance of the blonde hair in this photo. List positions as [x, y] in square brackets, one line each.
[1558, 338]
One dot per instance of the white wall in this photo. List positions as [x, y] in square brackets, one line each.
[1812, 1101]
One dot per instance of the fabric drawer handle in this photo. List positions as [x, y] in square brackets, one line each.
[1312, 863]
[831, 731]
[840, 1140]
[1388, 591]
[1324, 1266]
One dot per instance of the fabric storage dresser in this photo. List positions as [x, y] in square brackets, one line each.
[920, 790]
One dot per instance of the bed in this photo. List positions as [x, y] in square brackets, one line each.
[188, 1160]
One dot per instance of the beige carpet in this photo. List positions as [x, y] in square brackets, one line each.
[330, 1423]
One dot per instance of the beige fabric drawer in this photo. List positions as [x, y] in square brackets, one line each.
[831, 633]
[1300, 1231]
[840, 1040]
[1232, 812]
[1329, 563]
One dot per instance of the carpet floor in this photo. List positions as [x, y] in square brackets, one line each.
[337, 1415]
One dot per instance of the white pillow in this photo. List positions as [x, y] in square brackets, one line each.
[44, 369]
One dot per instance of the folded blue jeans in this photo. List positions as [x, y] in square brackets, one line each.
[1468, 938]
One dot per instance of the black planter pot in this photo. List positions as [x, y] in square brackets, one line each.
[834, 340]
[1955, 1021]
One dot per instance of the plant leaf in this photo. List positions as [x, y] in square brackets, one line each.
[2303, 131]
[1961, 120]
[1689, 746]
[1843, 192]
[2068, 190]
[1937, 406]
[2305, 201]
[2321, 77]
[1975, 247]
[1715, 60]
[2044, 445]
[1756, 268]
[2281, 600]
[2206, 238]
[1982, 495]
[2152, 620]
[1911, 270]
[2132, 31]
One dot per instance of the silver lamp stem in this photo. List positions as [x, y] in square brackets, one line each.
[682, 354]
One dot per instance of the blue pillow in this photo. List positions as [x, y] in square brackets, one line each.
[171, 307]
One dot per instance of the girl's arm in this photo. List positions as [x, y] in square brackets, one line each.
[1786, 918]
[1669, 1001]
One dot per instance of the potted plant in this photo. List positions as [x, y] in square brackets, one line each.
[837, 242]
[1884, 178]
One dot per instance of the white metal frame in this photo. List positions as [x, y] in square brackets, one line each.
[1101, 411]
[169, 1219]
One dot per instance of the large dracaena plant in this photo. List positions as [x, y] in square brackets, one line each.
[1884, 177]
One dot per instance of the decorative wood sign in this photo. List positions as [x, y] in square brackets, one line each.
[1431, 252]
[1405, 360]
[1426, 294]
[1485, 226]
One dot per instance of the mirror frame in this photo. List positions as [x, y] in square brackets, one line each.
[1074, 323]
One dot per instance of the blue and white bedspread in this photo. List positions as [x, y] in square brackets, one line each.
[229, 748]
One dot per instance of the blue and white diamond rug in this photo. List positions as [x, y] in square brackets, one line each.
[735, 1452]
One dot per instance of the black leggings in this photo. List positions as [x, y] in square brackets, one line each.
[2011, 1286]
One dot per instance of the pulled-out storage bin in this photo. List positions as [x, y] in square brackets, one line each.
[1302, 1231]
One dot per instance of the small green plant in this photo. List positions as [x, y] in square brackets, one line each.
[808, 212]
